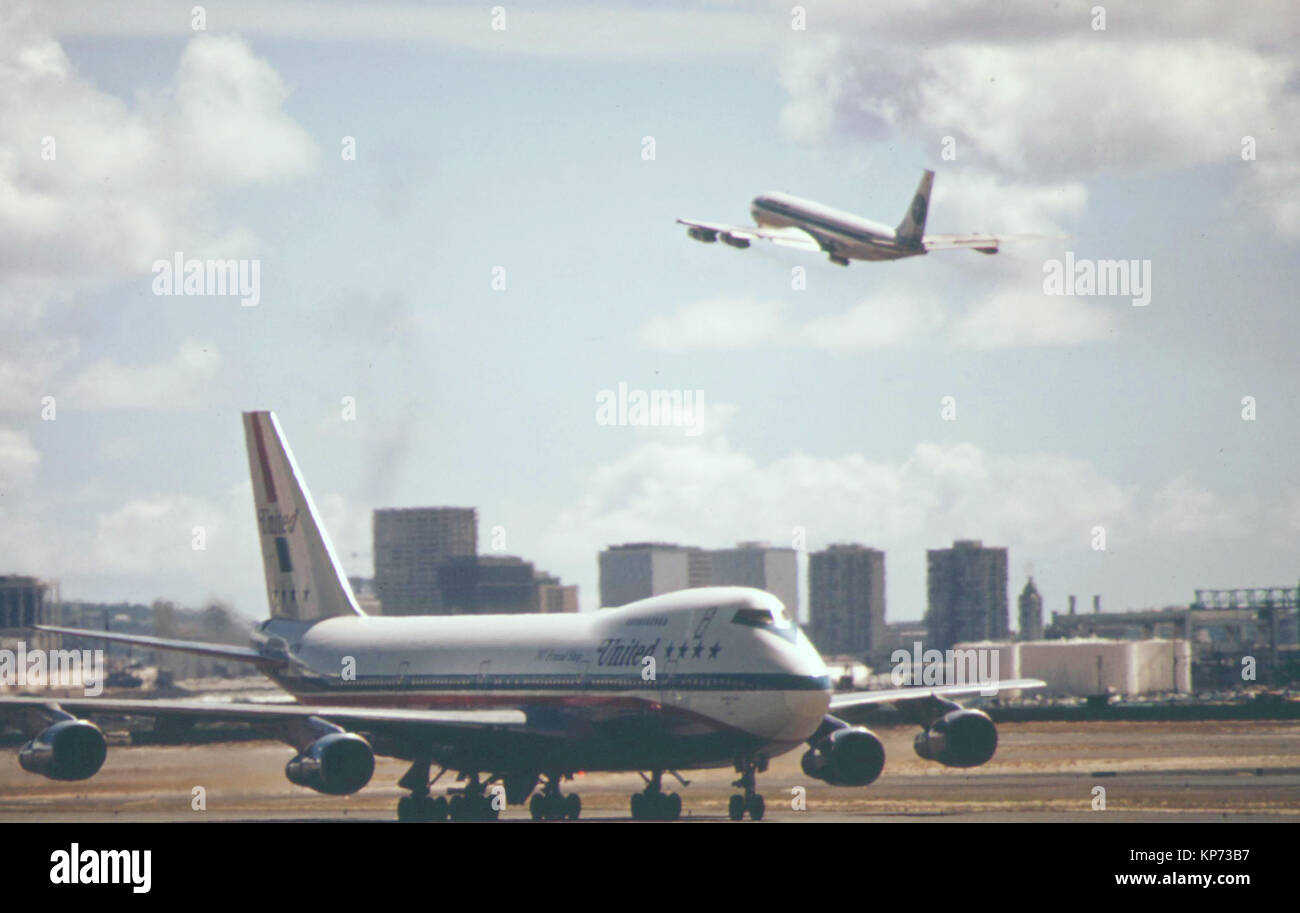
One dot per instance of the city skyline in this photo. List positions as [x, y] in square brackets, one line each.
[439, 314]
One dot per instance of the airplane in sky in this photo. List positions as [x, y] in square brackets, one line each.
[793, 222]
[514, 705]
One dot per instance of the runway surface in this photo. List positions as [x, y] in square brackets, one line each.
[1168, 771]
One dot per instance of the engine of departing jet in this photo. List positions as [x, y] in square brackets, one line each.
[337, 764]
[852, 756]
[962, 738]
[702, 234]
[734, 241]
[67, 750]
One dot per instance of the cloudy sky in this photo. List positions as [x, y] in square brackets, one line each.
[1171, 135]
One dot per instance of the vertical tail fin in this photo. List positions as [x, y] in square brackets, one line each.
[304, 580]
[909, 230]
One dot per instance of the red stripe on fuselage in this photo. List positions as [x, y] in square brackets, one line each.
[267, 481]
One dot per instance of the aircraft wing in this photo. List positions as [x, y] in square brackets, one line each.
[390, 721]
[786, 237]
[198, 647]
[902, 695]
[985, 244]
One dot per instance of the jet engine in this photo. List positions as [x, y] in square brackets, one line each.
[852, 756]
[702, 234]
[68, 750]
[734, 241]
[337, 764]
[962, 738]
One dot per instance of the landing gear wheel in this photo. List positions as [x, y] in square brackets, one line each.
[421, 808]
[736, 808]
[572, 806]
[751, 801]
[406, 808]
[653, 804]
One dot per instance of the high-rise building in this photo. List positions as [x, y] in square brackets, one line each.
[554, 596]
[761, 566]
[967, 594]
[638, 570]
[24, 601]
[1031, 612]
[846, 601]
[410, 546]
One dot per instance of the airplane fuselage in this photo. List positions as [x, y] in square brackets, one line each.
[842, 234]
[694, 678]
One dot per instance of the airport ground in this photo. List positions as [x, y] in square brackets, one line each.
[1044, 771]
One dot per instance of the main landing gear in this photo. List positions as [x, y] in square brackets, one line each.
[467, 803]
[472, 803]
[653, 804]
[552, 805]
[839, 261]
[419, 805]
[751, 801]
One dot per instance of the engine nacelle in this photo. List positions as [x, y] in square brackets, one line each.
[337, 764]
[963, 738]
[702, 234]
[734, 241]
[67, 750]
[852, 756]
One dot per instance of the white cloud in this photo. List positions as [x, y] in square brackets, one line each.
[1004, 319]
[93, 190]
[716, 323]
[1037, 96]
[1010, 319]
[19, 459]
[177, 383]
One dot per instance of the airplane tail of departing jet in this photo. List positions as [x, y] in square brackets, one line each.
[912, 227]
[304, 580]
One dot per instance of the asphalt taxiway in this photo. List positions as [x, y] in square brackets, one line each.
[1167, 771]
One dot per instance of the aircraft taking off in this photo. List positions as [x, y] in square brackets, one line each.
[792, 222]
[709, 677]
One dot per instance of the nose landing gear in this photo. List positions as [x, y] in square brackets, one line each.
[751, 801]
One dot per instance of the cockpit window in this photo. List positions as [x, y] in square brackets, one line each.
[761, 618]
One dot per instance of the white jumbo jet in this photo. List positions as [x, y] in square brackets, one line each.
[793, 222]
[709, 677]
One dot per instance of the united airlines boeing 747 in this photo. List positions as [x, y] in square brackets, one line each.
[793, 222]
[710, 677]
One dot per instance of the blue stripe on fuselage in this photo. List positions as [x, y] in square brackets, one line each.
[592, 682]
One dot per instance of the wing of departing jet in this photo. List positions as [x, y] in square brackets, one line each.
[738, 236]
[985, 244]
[897, 695]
